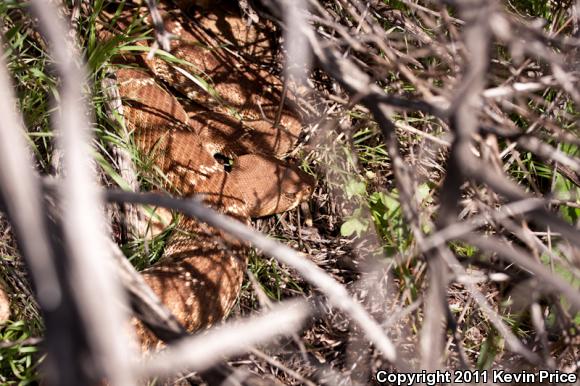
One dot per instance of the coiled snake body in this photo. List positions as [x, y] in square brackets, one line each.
[201, 273]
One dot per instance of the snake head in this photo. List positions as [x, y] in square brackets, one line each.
[269, 185]
[296, 185]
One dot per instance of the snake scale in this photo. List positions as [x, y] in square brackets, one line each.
[240, 120]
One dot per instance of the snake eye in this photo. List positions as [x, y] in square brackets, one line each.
[224, 160]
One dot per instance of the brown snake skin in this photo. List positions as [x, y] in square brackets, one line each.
[200, 275]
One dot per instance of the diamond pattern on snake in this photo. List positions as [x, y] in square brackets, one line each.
[230, 109]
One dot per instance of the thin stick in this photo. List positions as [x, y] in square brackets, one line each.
[83, 223]
[200, 352]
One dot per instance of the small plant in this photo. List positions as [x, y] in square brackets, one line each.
[19, 355]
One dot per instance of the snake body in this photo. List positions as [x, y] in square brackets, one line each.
[200, 275]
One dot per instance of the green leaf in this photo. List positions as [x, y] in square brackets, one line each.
[423, 192]
[488, 351]
[353, 225]
[355, 188]
[387, 201]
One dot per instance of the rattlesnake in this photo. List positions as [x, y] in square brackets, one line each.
[201, 273]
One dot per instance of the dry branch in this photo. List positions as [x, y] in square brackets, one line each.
[202, 351]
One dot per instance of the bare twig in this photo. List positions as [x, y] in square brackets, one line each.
[162, 36]
[459, 229]
[22, 198]
[519, 88]
[517, 255]
[513, 343]
[200, 352]
[32, 341]
[83, 224]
